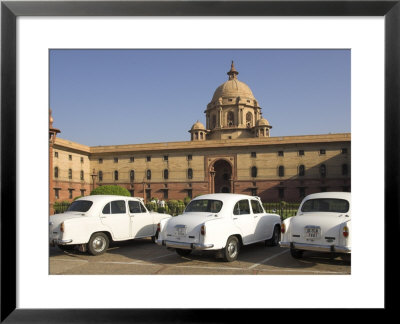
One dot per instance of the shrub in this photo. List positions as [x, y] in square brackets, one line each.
[111, 190]
[151, 206]
[61, 206]
[186, 200]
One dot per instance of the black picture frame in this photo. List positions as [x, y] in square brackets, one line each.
[10, 10]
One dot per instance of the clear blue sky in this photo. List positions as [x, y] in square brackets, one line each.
[109, 97]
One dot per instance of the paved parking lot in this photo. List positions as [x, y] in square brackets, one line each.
[145, 257]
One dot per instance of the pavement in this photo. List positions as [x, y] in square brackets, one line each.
[143, 257]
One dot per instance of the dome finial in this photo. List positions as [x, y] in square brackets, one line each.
[232, 73]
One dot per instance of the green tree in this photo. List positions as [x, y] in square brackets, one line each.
[111, 190]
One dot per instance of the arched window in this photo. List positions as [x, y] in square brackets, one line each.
[254, 171]
[196, 136]
[201, 135]
[166, 174]
[302, 170]
[213, 121]
[345, 169]
[249, 119]
[262, 132]
[100, 175]
[69, 173]
[132, 175]
[56, 172]
[148, 174]
[115, 175]
[281, 171]
[190, 173]
[231, 119]
[322, 170]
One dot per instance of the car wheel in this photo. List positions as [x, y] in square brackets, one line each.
[183, 252]
[98, 243]
[276, 236]
[66, 247]
[231, 250]
[297, 254]
[154, 238]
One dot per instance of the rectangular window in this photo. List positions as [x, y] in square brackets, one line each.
[253, 154]
[280, 153]
[81, 159]
[83, 192]
[148, 194]
[301, 152]
[254, 191]
[165, 157]
[132, 192]
[70, 193]
[281, 193]
[57, 193]
[148, 158]
[100, 161]
[131, 159]
[322, 151]
[165, 194]
[344, 150]
[115, 160]
[302, 192]
[70, 157]
[134, 207]
[82, 175]
[56, 154]
[190, 193]
[189, 157]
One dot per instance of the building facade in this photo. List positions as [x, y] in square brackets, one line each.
[234, 152]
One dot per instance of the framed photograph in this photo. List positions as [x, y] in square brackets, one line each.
[33, 30]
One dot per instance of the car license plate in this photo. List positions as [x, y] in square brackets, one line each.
[180, 230]
[312, 231]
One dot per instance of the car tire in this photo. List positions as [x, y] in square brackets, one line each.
[183, 252]
[98, 243]
[276, 236]
[297, 254]
[66, 247]
[231, 250]
[154, 238]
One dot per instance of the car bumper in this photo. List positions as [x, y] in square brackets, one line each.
[184, 245]
[55, 242]
[316, 247]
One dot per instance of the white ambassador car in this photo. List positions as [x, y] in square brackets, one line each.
[220, 222]
[322, 223]
[91, 222]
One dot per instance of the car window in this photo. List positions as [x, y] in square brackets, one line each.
[135, 207]
[204, 206]
[80, 206]
[142, 208]
[326, 205]
[242, 207]
[256, 206]
[107, 209]
[118, 207]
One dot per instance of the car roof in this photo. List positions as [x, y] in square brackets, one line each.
[330, 194]
[225, 196]
[96, 198]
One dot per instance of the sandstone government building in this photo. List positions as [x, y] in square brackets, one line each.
[234, 152]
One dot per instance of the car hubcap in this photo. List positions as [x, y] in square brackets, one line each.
[232, 249]
[98, 244]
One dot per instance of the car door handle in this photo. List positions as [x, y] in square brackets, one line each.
[255, 216]
[234, 217]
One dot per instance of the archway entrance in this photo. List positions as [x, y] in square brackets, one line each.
[223, 176]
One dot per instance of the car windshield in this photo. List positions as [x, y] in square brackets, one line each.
[326, 205]
[80, 206]
[204, 206]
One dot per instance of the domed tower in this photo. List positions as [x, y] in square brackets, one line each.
[233, 111]
[262, 128]
[198, 132]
